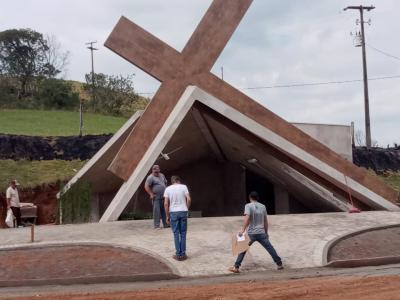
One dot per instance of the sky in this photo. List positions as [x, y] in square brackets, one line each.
[278, 42]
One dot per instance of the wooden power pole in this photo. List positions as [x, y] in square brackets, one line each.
[91, 48]
[365, 74]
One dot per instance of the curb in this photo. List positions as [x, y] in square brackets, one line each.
[361, 262]
[88, 280]
[364, 262]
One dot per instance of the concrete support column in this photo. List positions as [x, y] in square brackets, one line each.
[95, 208]
[282, 201]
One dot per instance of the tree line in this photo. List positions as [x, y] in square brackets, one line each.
[32, 67]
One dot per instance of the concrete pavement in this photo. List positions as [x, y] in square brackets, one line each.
[299, 239]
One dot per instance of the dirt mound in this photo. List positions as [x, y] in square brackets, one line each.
[19, 147]
[384, 242]
[43, 196]
[377, 159]
[78, 264]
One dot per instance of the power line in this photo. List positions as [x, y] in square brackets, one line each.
[289, 85]
[383, 52]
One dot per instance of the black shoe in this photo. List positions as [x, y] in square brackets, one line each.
[183, 257]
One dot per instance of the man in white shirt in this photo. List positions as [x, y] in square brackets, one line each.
[12, 197]
[177, 203]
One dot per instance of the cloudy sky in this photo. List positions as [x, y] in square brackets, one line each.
[279, 42]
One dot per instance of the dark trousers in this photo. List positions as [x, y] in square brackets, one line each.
[159, 211]
[263, 240]
[17, 214]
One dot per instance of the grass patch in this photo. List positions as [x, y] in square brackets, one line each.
[33, 173]
[392, 179]
[55, 123]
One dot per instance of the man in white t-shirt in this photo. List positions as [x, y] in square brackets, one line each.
[177, 202]
[12, 197]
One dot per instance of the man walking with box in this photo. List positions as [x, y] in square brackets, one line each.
[256, 223]
[177, 202]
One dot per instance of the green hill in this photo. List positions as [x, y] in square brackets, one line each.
[55, 123]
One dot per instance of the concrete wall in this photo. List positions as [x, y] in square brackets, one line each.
[217, 189]
[335, 137]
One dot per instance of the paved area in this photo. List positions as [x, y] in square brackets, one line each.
[299, 239]
[377, 243]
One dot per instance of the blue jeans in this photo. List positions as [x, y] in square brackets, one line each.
[179, 228]
[262, 238]
[159, 211]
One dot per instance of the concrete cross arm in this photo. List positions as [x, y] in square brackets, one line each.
[213, 33]
[144, 50]
[163, 62]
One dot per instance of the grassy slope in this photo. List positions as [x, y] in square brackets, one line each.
[55, 123]
[392, 179]
[47, 123]
[32, 173]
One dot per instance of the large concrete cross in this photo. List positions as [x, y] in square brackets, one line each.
[192, 66]
[175, 70]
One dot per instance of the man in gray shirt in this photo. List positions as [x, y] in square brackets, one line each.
[257, 228]
[155, 186]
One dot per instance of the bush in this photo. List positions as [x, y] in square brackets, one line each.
[8, 92]
[114, 95]
[75, 204]
[56, 94]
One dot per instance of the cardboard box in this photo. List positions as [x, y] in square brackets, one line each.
[240, 244]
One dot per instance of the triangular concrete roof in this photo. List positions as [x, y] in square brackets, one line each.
[317, 170]
[179, 73]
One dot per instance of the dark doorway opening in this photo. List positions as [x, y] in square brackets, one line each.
[263, 187]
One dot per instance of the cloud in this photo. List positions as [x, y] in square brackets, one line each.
[278, 42]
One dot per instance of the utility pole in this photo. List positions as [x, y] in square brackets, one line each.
[365, 74]
[91, 48]
[222, 73]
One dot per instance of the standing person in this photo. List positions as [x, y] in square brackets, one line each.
[256, 222]
[155, 186]
[177, 204]
[12, 197]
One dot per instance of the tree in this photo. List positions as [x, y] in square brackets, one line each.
[26, 55]
[56, 60]
[359, 138]
[114, 95]
[22, 55]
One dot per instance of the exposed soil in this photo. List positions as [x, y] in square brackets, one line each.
[377, 159]
[47, 148]
[376, 243]
[74, 147]
[75, 261]
[354, 288]
[43, 196]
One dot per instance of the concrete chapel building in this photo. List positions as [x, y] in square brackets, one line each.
[221, 142]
